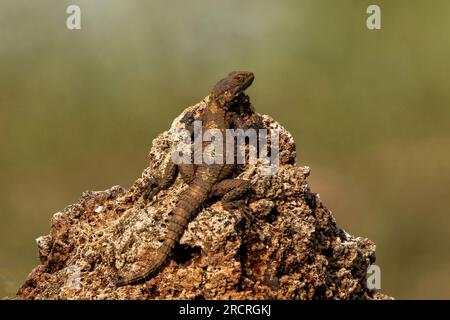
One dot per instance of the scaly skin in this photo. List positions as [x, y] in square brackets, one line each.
[204, 180]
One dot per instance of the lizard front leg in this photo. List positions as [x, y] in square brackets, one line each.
[238, 122]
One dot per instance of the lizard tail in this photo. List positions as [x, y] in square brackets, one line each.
[187, 205]
[152, 269]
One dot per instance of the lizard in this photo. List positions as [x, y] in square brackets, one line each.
[204, 180]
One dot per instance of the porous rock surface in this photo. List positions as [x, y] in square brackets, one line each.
[285, 246]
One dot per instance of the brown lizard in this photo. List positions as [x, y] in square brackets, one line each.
[205, 180]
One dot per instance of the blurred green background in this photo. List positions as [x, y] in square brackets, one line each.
[369, 111]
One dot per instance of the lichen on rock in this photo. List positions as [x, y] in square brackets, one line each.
[285, 246]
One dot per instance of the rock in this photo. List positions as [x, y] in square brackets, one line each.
[286, 245]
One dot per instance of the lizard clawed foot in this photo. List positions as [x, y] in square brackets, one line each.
[232, 191]
[152, 188]
[241, 206]
[234, 205]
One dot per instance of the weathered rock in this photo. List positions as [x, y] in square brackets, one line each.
[288, 247]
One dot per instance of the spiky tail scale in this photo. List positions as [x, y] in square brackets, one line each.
[190, 201]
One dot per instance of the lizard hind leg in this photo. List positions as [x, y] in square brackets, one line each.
[233, 193]
[231, 190]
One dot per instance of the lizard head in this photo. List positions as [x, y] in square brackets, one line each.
[227, 89]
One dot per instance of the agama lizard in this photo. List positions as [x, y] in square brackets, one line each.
[205, 180]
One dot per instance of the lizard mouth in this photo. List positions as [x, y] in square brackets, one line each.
[247, 83]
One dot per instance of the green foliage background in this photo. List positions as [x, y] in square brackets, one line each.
[369, 110]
